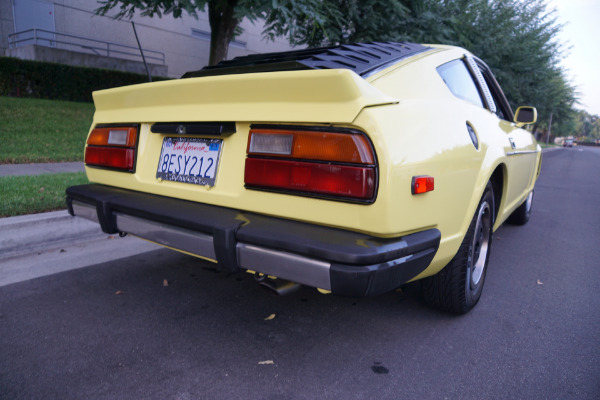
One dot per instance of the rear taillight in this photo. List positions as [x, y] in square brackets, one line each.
[112, 147]
[336, 164]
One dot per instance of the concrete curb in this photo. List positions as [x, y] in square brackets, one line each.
[548, 149]
[28, 234]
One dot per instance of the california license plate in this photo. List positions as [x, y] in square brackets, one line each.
[189, 160]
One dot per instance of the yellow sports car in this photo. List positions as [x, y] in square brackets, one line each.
[352, 169]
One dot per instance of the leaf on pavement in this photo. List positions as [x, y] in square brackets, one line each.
[165, 282]
[270, 317]
[540, 282]
[118, 292]
[267, 362]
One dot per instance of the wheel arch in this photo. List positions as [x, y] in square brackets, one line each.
[498, 180]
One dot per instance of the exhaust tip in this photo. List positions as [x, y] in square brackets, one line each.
[279, 287]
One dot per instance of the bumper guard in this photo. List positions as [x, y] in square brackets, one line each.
[344, 262]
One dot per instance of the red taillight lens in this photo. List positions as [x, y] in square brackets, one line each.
[329, 164]
[110, 157]
[327, 179]
[112, 147]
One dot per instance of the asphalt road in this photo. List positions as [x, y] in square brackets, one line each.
[115, 331]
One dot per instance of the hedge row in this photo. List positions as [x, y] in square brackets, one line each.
[43, 80]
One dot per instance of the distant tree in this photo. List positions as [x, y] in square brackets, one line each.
[336, 22]
[516, 38]
[349, 21]
[587, 125]
[224, 16]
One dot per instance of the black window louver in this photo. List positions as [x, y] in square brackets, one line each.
[362, 58]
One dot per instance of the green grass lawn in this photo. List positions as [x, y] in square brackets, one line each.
[35, 130]
[35, 194]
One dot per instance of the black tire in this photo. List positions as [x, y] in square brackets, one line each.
[457, 288]
[521, 215]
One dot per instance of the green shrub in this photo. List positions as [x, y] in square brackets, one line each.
[35, 194]
[44, 80]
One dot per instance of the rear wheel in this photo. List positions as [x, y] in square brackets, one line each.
[521, 215]
[457, 288]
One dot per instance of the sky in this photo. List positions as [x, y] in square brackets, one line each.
[582, 33]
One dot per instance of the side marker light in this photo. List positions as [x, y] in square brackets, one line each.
[422, 184]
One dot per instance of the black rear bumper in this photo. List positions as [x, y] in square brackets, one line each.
[344, 262]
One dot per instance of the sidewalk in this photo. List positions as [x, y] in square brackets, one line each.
[55, 168]
[38, 245]
[30, 233]
[39, 169]
[43, 244]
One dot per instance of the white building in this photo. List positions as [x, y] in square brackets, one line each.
[68, 32]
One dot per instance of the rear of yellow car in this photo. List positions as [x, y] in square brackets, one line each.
[350, 180]
[266, 173]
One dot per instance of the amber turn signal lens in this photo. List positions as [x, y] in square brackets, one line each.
[311, 145]
[332, 147]
[125, 137]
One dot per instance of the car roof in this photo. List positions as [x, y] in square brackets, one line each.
[362, 58]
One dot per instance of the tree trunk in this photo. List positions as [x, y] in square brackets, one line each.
[534, 131]
[222, 28]
[549, 128]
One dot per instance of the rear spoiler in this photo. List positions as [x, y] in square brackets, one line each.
[316, 96]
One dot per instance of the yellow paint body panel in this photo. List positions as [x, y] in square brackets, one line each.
[317, 96]
[416, 125]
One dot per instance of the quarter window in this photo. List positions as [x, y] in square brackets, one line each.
[458, 79]
[503, 110]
